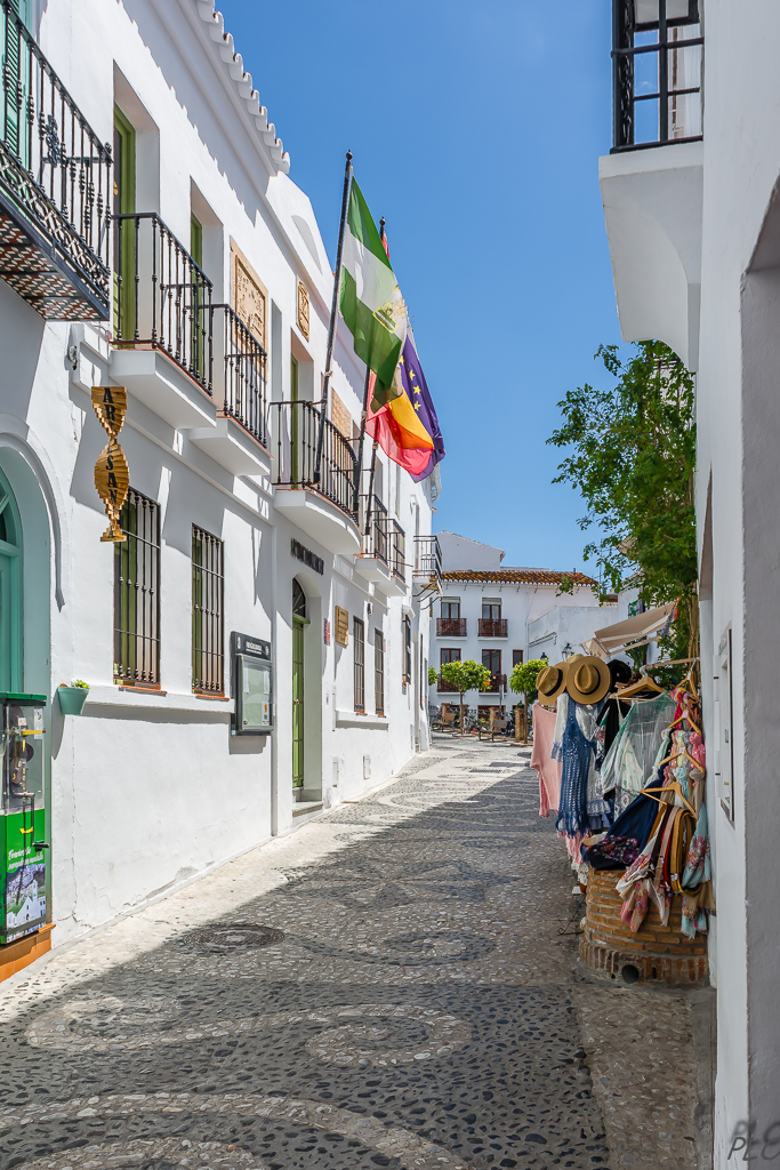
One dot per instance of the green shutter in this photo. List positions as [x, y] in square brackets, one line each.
[15, 74]
[124, 236]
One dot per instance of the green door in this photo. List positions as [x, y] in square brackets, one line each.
[125, 229]
[299, 625]
[15, 71]
[10, 591]
[294, 427]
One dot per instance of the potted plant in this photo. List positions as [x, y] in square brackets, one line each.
[72, 698]
[522, 681]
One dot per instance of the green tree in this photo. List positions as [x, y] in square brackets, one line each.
[432, 676]
[630, 452]
[465, 676]
[522, 681]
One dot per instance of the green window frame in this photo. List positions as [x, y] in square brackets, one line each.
[137, 594]
[379, 672]
[11, 592]
[125, 309]
[406, 630]
[15, 77]
[208, 622]
[359, 652]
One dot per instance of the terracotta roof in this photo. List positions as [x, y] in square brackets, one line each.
[232, 61]
[518, 576]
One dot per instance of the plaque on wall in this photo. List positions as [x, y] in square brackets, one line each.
[304, 309]
[341, 624]
[249, 295]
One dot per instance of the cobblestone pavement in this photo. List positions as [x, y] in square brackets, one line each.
[394, 985]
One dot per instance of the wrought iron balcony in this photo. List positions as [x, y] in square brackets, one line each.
[375, 525]
[295, 427]
[451, 627]
[445, 688]
[497, 682]
[55, 188]
[427, 560]
[237, 373]
[656, 72]
[162, 299]
[492, 628]
[397, 550]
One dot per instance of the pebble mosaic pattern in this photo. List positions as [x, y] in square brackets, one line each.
[406, 1001]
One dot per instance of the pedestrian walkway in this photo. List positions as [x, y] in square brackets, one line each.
[395, 985]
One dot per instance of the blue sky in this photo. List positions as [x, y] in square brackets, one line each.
[476, 130]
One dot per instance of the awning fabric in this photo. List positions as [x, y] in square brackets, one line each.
[634, 631]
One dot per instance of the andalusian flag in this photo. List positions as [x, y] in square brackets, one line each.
[371, 301]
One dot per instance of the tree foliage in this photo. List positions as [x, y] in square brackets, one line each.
[630, 452]
[432, 676]
[466, 676]
[523, 678]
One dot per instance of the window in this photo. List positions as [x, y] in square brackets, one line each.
[491, 611]
[360, 664]
[449, 655]
[407, 649]
[124, 229]
[379, 672]
[423, 672]
[517, 657]
[450, 609]
[137, 593]
[492, 660]
[208, 590]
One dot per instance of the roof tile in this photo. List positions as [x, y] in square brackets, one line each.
[518, 576]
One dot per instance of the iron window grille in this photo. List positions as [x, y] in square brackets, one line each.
[379, 672]
[407, 649]
[208, 629]
[656, 72]
[358, 634]
[423, 673]
[137, 593]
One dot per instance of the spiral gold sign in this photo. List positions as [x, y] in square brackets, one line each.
[112, 475]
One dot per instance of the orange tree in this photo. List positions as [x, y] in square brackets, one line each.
[465, 676]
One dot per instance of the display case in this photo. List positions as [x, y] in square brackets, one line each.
[23, 850]
[252, 690]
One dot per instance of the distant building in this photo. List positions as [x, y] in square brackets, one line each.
[501, 615]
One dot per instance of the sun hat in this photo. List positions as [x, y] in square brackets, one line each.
[619, 672]
[551, 682]
[588, 680]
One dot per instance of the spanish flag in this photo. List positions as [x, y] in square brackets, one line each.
[406, 427]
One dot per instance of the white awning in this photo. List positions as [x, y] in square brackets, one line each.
[634, 631]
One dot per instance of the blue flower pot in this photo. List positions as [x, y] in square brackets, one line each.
[72, 699]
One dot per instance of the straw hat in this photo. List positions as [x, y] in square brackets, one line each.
[588, 679]
[551, 682]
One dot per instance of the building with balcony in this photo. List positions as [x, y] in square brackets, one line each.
[499, 616]
[692, 207]
[152, 239]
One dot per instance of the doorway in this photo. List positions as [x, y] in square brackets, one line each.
[300, 621]
[10, 590]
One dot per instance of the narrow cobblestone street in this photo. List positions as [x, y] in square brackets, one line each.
[394, 985]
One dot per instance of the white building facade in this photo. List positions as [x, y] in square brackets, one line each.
[693, 217]
[499, 616]
[184, 265]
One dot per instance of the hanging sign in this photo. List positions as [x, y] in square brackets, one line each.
[341, 623]
[112, 475]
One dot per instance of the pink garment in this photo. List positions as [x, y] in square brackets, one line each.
[548, 769]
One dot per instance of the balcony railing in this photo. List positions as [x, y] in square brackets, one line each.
[451, 627]
[445, 688]
[375, 525]
[162, 299]
[492, 628]
[397, 550]
[656, 72]
[55, 187]
[497, 682]
[427, 559]
[237, 374]
[294, 427]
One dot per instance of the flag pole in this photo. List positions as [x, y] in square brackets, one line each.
[363, 419]
[334, 308]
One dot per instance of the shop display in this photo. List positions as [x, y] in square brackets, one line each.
[23, 851]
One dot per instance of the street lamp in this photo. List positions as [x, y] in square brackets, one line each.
[567, 650]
